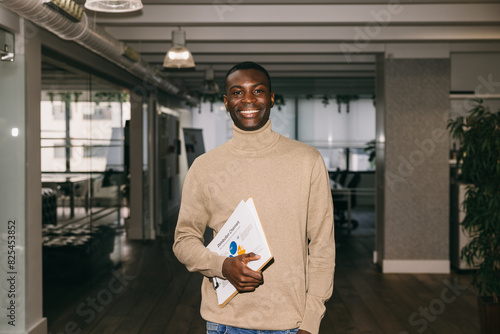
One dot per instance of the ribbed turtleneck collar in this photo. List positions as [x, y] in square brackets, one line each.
[252, 141]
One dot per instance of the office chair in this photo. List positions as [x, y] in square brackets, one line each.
[340, 204]
[334, 175]
[342, 178]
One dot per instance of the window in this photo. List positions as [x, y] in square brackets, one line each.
[340, 136]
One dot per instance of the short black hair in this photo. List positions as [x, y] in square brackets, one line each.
[247, 65]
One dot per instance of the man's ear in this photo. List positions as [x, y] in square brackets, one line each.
[272, 99]
[225, 101]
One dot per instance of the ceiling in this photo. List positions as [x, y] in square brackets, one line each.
[309, 47]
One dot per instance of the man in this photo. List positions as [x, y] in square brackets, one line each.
[289, 184]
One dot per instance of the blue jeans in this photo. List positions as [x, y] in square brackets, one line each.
[213, 328]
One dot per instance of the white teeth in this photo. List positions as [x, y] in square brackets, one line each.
[248, 111]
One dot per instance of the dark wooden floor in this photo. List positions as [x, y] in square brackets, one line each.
[156, 294]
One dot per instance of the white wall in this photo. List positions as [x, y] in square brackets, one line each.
[215, 124]
[283, 120]
[324, 126]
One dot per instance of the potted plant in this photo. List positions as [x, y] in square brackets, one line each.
[479, 158]
[371, 149]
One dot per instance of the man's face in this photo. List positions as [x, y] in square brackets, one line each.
[248, 99]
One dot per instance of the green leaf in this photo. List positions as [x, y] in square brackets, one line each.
[479, 137]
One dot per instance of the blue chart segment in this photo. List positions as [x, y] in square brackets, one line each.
[233, 248]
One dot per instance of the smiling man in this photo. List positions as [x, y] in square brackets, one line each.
[289, 184]
[249, 97]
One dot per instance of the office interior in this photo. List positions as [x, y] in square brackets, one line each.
[95, 144]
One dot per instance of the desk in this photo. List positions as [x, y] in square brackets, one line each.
[348, 192]
[339, 190]
[67, 183]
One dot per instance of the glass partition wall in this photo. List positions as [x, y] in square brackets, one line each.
[340, 131]
[84, 178]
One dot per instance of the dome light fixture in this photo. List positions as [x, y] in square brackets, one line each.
[209, 86]
[113, 6]
[178, 57]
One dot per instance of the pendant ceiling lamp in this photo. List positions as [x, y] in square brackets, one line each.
[113, 6]
[209, 86]
[178, 57]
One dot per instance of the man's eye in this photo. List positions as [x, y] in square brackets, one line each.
[258, 91]
[237, 93]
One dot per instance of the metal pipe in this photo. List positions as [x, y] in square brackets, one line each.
[87, 34]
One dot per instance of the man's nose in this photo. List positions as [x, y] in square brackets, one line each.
[249, 98]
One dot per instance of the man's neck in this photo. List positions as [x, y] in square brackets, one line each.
[256, 140]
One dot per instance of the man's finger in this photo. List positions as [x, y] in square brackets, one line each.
[254, 275]
[250, 257]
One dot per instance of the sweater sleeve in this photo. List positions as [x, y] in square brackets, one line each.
[321, 258]
[193, 219]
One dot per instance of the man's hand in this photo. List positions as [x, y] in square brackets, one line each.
[244, 279]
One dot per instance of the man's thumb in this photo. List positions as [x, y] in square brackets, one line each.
[251, 257]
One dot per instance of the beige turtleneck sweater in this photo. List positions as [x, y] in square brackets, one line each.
[291, 190]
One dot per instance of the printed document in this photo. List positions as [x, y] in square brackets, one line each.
[242, 233]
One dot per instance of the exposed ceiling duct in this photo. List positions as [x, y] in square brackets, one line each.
[87, 34]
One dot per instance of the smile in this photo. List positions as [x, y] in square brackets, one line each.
[249, 112]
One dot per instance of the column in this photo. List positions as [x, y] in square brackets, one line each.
[20, 195]
[414, 143]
